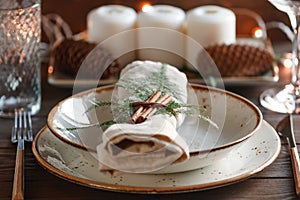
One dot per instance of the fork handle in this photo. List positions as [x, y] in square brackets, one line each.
[18, 185]
[296, 168]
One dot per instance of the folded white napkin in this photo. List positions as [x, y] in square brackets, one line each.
[150, 145]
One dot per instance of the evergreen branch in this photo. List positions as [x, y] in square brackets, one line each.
[140, 89]
[97, 104]
[106, 123]
[207, 119]
[175, 109]
[143, 87]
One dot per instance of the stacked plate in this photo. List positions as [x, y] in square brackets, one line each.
[243, 145]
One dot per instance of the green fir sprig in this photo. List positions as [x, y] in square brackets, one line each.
[140, 89]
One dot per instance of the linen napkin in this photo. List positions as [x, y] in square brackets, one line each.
[155, 143]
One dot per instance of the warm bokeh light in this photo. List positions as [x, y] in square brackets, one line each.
[257, 32]
[50, 69]
[286, 60]
[145, 6]
[288, 63]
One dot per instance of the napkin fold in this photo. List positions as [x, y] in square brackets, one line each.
[141, 148]
[153, 144]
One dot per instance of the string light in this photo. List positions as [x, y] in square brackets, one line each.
[145, 6]
[257, 32]
[50, 70]
[287, 63]
[286, 60]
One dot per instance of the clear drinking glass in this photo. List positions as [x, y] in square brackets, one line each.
[20, 32]
[287, 99]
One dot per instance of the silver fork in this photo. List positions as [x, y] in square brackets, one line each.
[21, 131]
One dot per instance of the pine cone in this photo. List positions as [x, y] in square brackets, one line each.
[240, 60]
[69, 55]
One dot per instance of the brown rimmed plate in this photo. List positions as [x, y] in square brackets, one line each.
[238, 119]
[80, 166]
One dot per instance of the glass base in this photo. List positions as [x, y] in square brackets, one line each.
[10, 113]
[281, 100]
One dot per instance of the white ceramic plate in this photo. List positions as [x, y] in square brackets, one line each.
[79, 166]
[237, 118]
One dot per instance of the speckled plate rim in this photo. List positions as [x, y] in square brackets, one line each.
[158, 190]
[256, 110]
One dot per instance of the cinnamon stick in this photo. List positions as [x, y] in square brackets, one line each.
[166, 98]
[152, 99]
[164, 103]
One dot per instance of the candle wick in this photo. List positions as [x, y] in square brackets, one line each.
[164, 10]
[211, 11]
[115, 11]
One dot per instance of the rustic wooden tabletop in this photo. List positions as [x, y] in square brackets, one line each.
[274, 182]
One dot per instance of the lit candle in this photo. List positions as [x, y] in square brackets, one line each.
[162, 40]
[106, 21]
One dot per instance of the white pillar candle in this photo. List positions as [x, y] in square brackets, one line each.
[207, 25]
[106, 21]
[164, 40]
[211, 24]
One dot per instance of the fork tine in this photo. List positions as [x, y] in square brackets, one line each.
[20, 129]
[24, 128]
[15, 129]
[28, 124]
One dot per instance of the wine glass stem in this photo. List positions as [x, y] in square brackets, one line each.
[295, 21]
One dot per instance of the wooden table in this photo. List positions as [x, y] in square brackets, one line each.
[275, 182]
